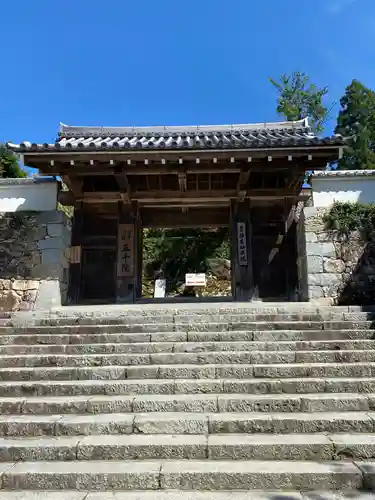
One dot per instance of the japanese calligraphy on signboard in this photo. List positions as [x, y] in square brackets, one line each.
[125, 259]
[241, 243]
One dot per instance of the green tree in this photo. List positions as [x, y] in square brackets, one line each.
[298, 99]
[9, 166]
[179, 251]
[356, 122]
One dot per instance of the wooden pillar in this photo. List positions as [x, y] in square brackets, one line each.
[128, 261]
[242, 265]
[139, 233]
[75, 267]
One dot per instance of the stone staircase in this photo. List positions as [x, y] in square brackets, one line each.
[189, 405]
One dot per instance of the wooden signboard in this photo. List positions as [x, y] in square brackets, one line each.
[241, 243]
[195, 279]
[125, 247]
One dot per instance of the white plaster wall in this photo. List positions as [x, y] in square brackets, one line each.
[28, 197]
[327, 190]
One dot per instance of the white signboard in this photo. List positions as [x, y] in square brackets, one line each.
[193, 279]
[241, 243]
[159, 291]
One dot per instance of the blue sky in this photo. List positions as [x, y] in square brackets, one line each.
[166, 62]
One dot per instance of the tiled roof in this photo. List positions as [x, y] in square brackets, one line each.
[248, 136]
[25, 181]
[344, 173]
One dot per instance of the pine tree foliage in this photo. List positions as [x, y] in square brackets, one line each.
[298, 98]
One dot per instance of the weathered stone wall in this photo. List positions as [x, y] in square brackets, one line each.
[33, 259]
[340, 268]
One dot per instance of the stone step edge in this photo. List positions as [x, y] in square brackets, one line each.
[217, 382]
[187, 475]
[184, 495]
[213, 366]
[201, 403]
[181, 344]
[38, 319]
[191, 325]
[177, 337]
[57, 425]
[123, 329]
[152, 355]
[230, 439]
[312, 446]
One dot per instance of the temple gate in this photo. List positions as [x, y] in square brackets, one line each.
[121, 180]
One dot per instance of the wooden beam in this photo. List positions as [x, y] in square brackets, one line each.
[173, 155]
[161, 170]
[123, 184]
[182, 181]
[74, 287]
[101, 197]
[195, 218]
[66, 198]
[201, 196]
[292, 177]
[85, 168]
[242, 184]
[242, 265]
[187, 195]
[73, 184]
[188, 204]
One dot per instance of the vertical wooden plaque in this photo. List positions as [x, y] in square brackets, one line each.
[241, 243]
[125, 253]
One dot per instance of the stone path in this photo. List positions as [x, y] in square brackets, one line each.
[201, 405]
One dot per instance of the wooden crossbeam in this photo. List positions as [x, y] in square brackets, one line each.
[182, 182]
[73, 184]
[243, 180]
[123, 184]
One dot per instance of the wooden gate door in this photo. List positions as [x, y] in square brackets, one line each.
[98, 275]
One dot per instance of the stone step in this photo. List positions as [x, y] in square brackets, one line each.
[186, 475]
[192, 314]
[64, 373]
[20, 426]
[171, 316]
[191, 447]
[162, 347]
[223, 447]
[191, 337]
[197, 403]
[188, 358]
[181, 386]
[225, 324]
[184, 495]
[188, 371]
[250, 423]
